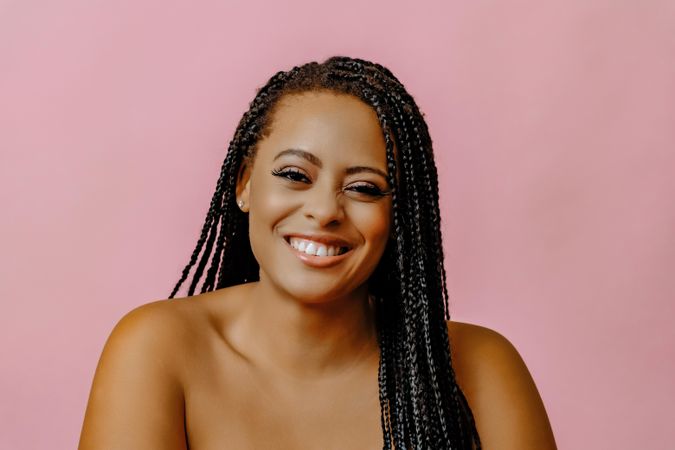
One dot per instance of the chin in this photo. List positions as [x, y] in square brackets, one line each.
[314, 293]
[316, 288]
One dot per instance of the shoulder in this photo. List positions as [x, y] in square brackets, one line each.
[136, 396]
[472, 345]
[499, 388]
[159, 316]
[155, 328]
[481, 355]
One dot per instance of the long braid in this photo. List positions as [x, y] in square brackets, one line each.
[420, 250]
[421, 405]
[431, 205]
[422, 229]
[412, 380]
[390, 317]
[437, 247]
[409, 376]
[403, 124]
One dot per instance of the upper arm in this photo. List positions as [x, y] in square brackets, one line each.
[136, 399]
[503, 397]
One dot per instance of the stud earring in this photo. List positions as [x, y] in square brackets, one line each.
[240, 203]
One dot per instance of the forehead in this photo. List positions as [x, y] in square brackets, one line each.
[327, 124]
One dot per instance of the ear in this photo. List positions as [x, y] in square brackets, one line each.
[244, 185]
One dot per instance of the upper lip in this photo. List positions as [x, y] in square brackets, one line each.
[323, 238]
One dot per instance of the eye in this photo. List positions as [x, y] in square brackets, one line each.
[291, 174]
[365, 190]
[362, 191]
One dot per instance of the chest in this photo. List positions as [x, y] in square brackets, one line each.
[231, 405]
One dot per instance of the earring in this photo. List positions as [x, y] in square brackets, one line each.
[240, 203]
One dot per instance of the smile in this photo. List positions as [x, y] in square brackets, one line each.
[316, 254]
[315, 248]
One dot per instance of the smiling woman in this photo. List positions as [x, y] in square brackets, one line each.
[322, 320]
[327, 195]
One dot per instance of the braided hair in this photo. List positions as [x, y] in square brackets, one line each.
[421, 405]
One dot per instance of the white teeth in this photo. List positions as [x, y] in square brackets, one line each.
[313, 248]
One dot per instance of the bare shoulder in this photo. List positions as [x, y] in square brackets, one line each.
[501, 392]
[136, 398]
[163, 328]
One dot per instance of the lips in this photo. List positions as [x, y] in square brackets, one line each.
[325, 239]
[325, 253]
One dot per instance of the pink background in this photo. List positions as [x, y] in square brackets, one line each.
[553, 125]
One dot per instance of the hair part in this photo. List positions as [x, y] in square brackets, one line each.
[421, 404]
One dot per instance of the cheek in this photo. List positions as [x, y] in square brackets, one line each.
[268, 205]
[374, 223]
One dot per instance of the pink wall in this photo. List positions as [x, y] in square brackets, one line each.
[553, 126]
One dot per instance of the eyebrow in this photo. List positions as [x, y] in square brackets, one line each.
[317, 162]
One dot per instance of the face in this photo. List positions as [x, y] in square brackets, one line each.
[317, 196]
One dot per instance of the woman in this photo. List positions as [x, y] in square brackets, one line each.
[322, 320]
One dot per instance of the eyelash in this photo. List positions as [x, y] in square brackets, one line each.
[298, 177]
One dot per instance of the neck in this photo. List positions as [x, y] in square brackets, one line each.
[305, 340]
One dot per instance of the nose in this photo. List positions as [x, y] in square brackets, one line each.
[323, 204]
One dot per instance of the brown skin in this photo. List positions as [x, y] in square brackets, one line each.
[290, 362]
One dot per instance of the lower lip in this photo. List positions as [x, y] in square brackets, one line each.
[317, 261]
